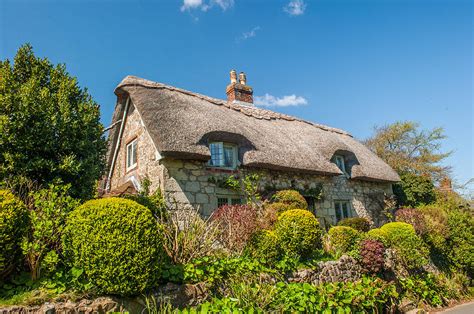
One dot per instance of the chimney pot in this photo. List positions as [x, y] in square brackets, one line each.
[233, 77]
[242, 78]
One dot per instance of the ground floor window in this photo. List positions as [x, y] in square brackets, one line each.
[228, 200]
[343, 209]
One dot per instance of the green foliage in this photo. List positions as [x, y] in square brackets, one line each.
[409, 247]
[422, 289]
[366, 295]
[461, 240]
[13, 226]
[377, 235]
[117, 243]
[343, 240]
[292, 198]
[414, 190]
[278, 207]
[358, 223]
[50, 128]
[264, 246]
[154, 202]
[47, 221]
[298, 232]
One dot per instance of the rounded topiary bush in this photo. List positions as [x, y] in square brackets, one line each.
[298, 232]
[410, 248]
[13, 225]
[278, 207]
[358, 223]
[291, 198]
[264, 245]
[378, 235]
[343, 240]
[117, 243]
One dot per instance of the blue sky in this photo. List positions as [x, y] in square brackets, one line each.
[348, 64]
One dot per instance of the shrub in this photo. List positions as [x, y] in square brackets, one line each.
[461, 240]
[47, 221]
[377, 235]
[358, 223]
[292, 198]
[343, 240]
[422, 289]
[414, 190]
[298, 232]
[13, 225]
[278, 207]
[413, 217]
[409, 247]
[187, 236]
[269, 215]
[154, 202]
[264, 245]
[237, 224]
[117, 243]
[372, 255]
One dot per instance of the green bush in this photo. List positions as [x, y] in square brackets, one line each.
[378, 235]
[358, 223]
[409, 247]
[292, 198]
[298, 232]
[414, 190]
[117, 243]
[461, 240]
[264, 245]
[343, 240]
[13, 226]
[278, 207]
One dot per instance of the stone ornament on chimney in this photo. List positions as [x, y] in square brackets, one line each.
[239, 91]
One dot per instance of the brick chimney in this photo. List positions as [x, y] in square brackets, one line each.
[239, 91]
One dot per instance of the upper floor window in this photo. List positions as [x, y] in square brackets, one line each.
[223, 155]
[340, 162]
[132, 154]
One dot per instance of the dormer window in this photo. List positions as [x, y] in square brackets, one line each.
[223, 155]
[340, 163]
[132, 154]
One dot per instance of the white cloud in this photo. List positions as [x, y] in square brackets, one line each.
[295, 7]
[268, 100]
[249, 34]
[204, 6]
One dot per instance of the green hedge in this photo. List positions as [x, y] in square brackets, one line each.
[343, 240]
[292, 198]
[13, 226]
[410, 248]
[298, 232]
[117, 243]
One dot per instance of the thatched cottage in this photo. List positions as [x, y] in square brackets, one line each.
[187, 144]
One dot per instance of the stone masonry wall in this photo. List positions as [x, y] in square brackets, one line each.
[147, 156]
[189, 183]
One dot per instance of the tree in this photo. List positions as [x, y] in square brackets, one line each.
[414, 190]
[49, 127]
[410, 150]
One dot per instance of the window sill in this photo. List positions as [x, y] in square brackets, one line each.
[134, 167]
[221, 169]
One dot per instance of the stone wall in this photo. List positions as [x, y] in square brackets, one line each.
[148, 164]
[188, 183]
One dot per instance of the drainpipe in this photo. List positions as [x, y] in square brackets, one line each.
[117, 146]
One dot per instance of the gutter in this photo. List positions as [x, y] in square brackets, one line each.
[117, 146]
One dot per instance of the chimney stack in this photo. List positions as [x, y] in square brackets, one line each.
[239, 92]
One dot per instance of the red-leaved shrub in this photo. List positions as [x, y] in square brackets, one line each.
[372, 255]
[413, 217]
[237, 224]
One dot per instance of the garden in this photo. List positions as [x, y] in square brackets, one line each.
[267, 257]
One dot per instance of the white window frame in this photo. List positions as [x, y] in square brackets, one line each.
[340, 159]
[222, 146]
[131, 155]
[336, 208]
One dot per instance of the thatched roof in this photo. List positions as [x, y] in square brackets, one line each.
[181, 123]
